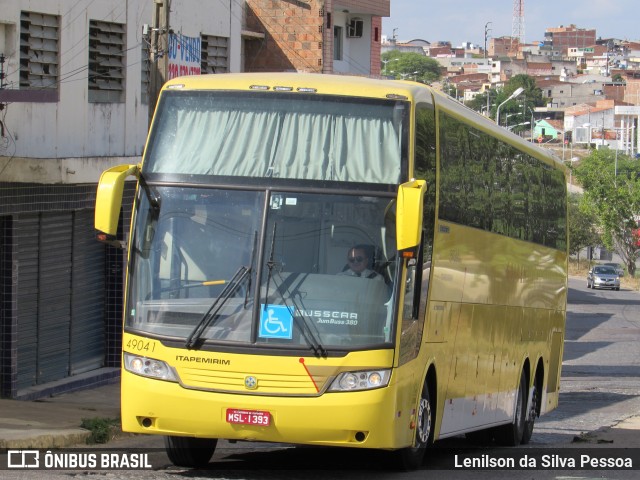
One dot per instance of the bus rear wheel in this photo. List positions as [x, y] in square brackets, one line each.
[189, 451]
[411, 458]
[530, 420]
[511, 435]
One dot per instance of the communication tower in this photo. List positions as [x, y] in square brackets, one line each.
[518, 21]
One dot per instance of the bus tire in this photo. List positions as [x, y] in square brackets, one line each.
[533, 412]
[510, 435]
[189, 451]
[411, 458]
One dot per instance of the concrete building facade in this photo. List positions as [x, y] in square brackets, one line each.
[570, 36]
[75, 100]
[79, 83]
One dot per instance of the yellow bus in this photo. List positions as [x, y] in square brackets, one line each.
[338, 261]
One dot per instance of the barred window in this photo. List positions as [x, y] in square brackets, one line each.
[39, 50]
[106, 62]
[215, 54]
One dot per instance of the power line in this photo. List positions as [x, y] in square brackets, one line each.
[68, 76]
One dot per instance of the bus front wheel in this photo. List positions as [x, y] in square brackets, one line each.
[411, 458]
[189, 451]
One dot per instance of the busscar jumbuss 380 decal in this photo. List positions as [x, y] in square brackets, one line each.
[332, 260]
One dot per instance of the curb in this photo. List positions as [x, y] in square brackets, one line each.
[42, 438]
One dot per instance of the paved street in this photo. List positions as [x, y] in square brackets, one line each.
[599, 389]
[601, 368]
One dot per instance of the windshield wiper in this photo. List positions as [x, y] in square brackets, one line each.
[212, 314]
[303, 322]
[253, 255]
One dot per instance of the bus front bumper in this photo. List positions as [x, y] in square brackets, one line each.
[367, 419]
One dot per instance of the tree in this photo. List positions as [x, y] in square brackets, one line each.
[611, 183]
[582, 226]
[618, 78]
[410, 66]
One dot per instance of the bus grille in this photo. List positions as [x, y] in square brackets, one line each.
[267, 383]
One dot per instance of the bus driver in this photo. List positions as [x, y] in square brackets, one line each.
[359, 261]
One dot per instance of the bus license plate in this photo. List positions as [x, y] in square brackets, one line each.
[248, 417]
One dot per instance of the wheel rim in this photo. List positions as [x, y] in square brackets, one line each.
[532, 409]
[424, 422]
[534, 401]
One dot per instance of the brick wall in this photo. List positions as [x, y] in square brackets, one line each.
[294, 32]
[376, 29]
[632, 91]
[329, 19]
[299, 34]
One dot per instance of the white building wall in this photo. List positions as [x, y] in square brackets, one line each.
[73, 127]
[222, 18]
[73, 140]
[356, 52]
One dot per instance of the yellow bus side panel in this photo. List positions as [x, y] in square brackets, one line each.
[501, 299]
[472, 266]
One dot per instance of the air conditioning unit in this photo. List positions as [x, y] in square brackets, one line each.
[355, 28]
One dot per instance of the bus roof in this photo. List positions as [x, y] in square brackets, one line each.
[283, 81]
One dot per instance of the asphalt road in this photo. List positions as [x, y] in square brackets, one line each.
[601, 364]
[600, 387]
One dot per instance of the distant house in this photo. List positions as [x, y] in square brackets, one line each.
[548, 129]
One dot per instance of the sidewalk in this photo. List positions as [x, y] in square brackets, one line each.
[54, 422]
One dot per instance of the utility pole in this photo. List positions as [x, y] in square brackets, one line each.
[1, 71]
[159, 40]
[486, 37]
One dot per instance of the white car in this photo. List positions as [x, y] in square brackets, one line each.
[603, 276]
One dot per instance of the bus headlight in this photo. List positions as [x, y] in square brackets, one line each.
[149, 367]
[366, 380]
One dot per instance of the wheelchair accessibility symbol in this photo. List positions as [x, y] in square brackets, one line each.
[276, 321]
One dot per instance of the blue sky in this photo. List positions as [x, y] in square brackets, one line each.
[464, 20]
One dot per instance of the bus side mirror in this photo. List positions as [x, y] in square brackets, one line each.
[109, 199]
[409, 214]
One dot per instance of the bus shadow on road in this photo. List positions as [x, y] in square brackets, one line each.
[318, 462]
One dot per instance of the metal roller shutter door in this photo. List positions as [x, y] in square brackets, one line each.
[54, 297]
[26, 248]
[60, 296]
[87, 296]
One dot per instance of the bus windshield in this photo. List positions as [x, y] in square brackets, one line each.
[295, 285]
[278, 135]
